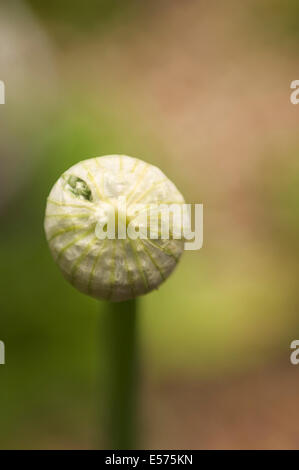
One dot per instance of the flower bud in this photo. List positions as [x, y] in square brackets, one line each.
[100, 231]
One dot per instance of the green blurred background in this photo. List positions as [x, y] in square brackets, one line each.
[202, 90]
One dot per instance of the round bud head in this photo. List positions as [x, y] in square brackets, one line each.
[103, 226]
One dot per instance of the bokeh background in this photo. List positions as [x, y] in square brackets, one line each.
[202, 89]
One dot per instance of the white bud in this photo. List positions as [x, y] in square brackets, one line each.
[106, 195]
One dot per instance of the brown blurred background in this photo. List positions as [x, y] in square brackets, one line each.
[202, 89]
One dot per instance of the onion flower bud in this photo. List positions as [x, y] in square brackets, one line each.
[113, 194]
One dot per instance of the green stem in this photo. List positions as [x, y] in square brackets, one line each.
[120, 342]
